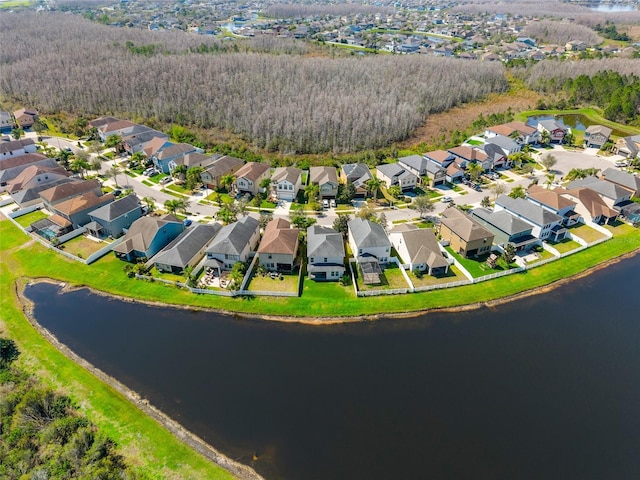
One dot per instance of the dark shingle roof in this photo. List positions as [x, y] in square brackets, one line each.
[116, 209]
[187, 245]
[234, 237]
[324, 242]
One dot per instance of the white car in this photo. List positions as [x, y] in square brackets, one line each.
[332, 203]
[621, 163]
[325, 203]
[446, 199]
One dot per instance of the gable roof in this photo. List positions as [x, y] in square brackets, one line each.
[550, 198]
[252, 170]
[14, 169]
[32, 171]
[502, 220]
[468, 153]
[528, 210]
[604, 188]
[83, 202]
[625, 179]
[417, 162]
[357, 173]
[174, 150]
[115, 126]
[593, 202]
[27, 158]
[422, 245]
[322, 175]
[601, 129]
[503, 142]
[223, 165]
[439, 156]
[464, 226]
[142, 233]
[234, 237]
[70, 189]
[116, 209]
[324, 242]
[154, 145]
[289, 174]
[13, 145]
[366, 233]
[187, 245]
[197, 159]
[391, 170]
[100, 121]
[551, 125]
[279, 237]
[507, 129]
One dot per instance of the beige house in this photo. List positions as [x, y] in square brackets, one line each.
[327, 180]
[279, 246]
[464, 234]
[286, 182]
[250, 176]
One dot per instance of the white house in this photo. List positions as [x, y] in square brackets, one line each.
[395, 174]
[325, 254]
[286, 182]
[368, 239]
[546, 225]
[419, 248]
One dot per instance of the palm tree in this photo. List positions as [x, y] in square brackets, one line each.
[150, 202]
[550, 179]
[80, 164]
[172, 206]
[475, 170]
[373, 185]
[227, 180]
[545, 137]
[113, 173]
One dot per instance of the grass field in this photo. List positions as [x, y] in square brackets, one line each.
[453, 275]
[586, 233]
[565, 245]
[82, 246]
[29, 218]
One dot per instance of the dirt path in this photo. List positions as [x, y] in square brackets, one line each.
[461, 118]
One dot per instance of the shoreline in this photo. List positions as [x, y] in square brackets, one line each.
[326, 321]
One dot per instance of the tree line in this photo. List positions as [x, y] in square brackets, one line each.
[560, 33]
[284, 103]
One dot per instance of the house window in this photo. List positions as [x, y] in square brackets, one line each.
[325, 259]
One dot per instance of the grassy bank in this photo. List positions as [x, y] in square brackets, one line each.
[149, 447]
[107, 275]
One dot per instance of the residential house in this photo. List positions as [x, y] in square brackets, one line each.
[465, 235]
[66, 191]
[25, 117]
[554, 129]
[250, 176]
[187, 249]
[518, 131]
[496, 155]
[506, 228]
[589, 205]
[546, 224]
[628, 146]
[197, 159]
[325, 254]
[137, 141]
[16, 148]
[26, 187]
[438, 162]
[358, 174]
[117, 127]
[113, 219]
[416, 164]
[327, 180]
[613, 194]
[170, 153]
[285, 183]
[554, 202]
[371, 246]
[595, 136]
[220, 167]
[393, 174]
[466, 154]
[147, 236]
[506, 144]
[6, 122]
[279, 246]
[623, 179]
[154, 145]
[419, 248]
[234, 243]
[101, 121]
[10, 168]
[77, 208]
[51, 227]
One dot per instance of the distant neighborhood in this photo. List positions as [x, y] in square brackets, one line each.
[265, 237]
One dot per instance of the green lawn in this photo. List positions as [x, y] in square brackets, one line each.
[82, 246]
[146, 445]
[174, 187]
[156, 178]
[565, 245]
[453, 275]
[543, 255]
[586, 233]
[266, 283]
[478, 267]
[391, 279]
[29, 218]
[147, 183]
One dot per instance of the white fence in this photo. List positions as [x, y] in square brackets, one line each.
[24, 211]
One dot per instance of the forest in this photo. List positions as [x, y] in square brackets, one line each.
[291, 103]
[42, 434]
[560, 33]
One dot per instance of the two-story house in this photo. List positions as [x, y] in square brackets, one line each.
[187, 249]
[220, 167]
[170, 153]
[63, 192]
[506, 228]
[250, 176]
[465, 235]
[279, 246]
[147, 236]
[77, 209]
[325, 254]
[395, 174]
[554, 202]
[419, 248]
[10, 168]
[546, 224]
[358, 174]
[234, 243]
[555, 131]
[466, 154]
[112, 219]
[595, 136]
[26, 187]
[16, 148]
[327, 180]
[518, 131]
[416, 164]
[285, 183]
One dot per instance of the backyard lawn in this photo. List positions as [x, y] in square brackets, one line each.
[565, 245]
[586, 233]
[543, 255]
[267, 283]
[478, 267]
[82, 246]
[619, 228]
[453, 275]
[391, 279]
[29, 218]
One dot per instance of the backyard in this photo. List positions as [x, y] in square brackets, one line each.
[565, 245]
[586, 233]
[29, 218]
[391, 279]
[453, 275]
[82, 246]
[478, 267]
[273, 282]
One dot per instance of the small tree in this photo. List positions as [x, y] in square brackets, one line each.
[545, 137]
[114, 141]
[509, 253]
[150, 203]
[193, 177]
[367, 212]
[8, 352]
[423, 205]
[500, 188]
[518, 192]
[346, 192]
[265, 184]
[475, 170]
[485, 202]
[341, 224]
[95, 165]
[236, 275]
[113, 172]
[17, 133]
[312, 193]
[80, 164]
[373, 185]
[264, 219]
[548, 161]
[226, 181]
[551, 177]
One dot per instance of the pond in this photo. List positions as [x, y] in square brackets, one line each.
[547, 386]
[611, 8]
[573, 121]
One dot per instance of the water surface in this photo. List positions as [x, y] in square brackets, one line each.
[544, 387]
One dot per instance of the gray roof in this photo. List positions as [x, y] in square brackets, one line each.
[528, 210]
[13, 145]
[422, 245]
[505, 143]
[223, 165]
[116, 209]
[368, 234]
[357, 173]
[324, 242]
[142, 233]
[29, 194]
[234, 237]
[604, 188]
[550, 125]
[187, 245]
[12, 172]
[625, 179]
[417, 162]
[290, 174]
[502, 224]
[391, 170]
[601, 129]
[145, 136]
[322, 175]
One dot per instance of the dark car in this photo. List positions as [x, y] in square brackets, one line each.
[187, 222]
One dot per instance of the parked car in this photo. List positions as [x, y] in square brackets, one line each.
[187, 222]
[165, 180]
[332, 203]
[446, 199]
[621, 163]
[325, 203]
